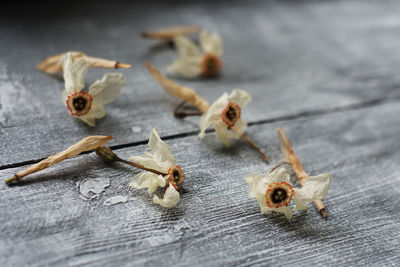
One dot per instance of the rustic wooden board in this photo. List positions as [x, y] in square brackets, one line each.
[46, 222]
[292, 57]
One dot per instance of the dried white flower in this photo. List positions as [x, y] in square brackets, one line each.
[194, 61]
[274, 192]
[88, 106]
[170, 199]
[163, 161]
[225, 113]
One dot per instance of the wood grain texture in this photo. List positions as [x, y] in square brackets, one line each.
[292, 57]
[324, 71]
[45, 221]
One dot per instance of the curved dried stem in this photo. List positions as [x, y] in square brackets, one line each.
[291, 157]
[252, 144]
[179, 113]
[86, 144]
[178, 91]
[106, 154]
[53, 65]
[278, 165]
[167, 34]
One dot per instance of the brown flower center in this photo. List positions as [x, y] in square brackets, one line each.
[176, 176]
[231, 114]
[278, 195]
[79, 103]
[210, 64]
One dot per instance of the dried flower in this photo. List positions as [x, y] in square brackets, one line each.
[86, 144]
[295, 163]
[88, 106]
[163, 161]
[193, 62]
[167, 34]
[225, 114]
[274, 192]
[54, 64]
[170, 198]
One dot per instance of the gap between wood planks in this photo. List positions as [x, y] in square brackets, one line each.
[304, 114]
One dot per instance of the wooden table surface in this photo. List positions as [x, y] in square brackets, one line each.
[327, 72]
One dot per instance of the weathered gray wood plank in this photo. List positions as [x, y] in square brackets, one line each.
[45, 221]
[291, 56]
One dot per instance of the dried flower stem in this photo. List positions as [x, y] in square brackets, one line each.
[178, 91]
[88, 143]
[167, 34]
[53, 65]
[251, 143]
[106, 154]
[278, 165]
[105, 63]
[294, 161]
[179, 113]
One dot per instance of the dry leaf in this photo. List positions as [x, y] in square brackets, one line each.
[86, 144]
[295, 163]
[291, 157]
[168, 34]
[178, 91]
[53, 65]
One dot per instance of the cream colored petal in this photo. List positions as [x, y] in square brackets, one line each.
[107, 89]
[147, 180]
[264, 208]
[285, 210]
[240, 126]
[64, 96]
[213, 114]
[161, 159]
[207, 119]
[211, 42]
[91, 121]
[204, 122]
[257, 184]
[74, 73]
[161, 150]
[240, 97]
[223, 134]
[185, 47]
[170, 199]
[219, 105]
[151, 162]
[189, 68]
[315, 188]
[278, 175]
[257, 189]
[97, 111]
